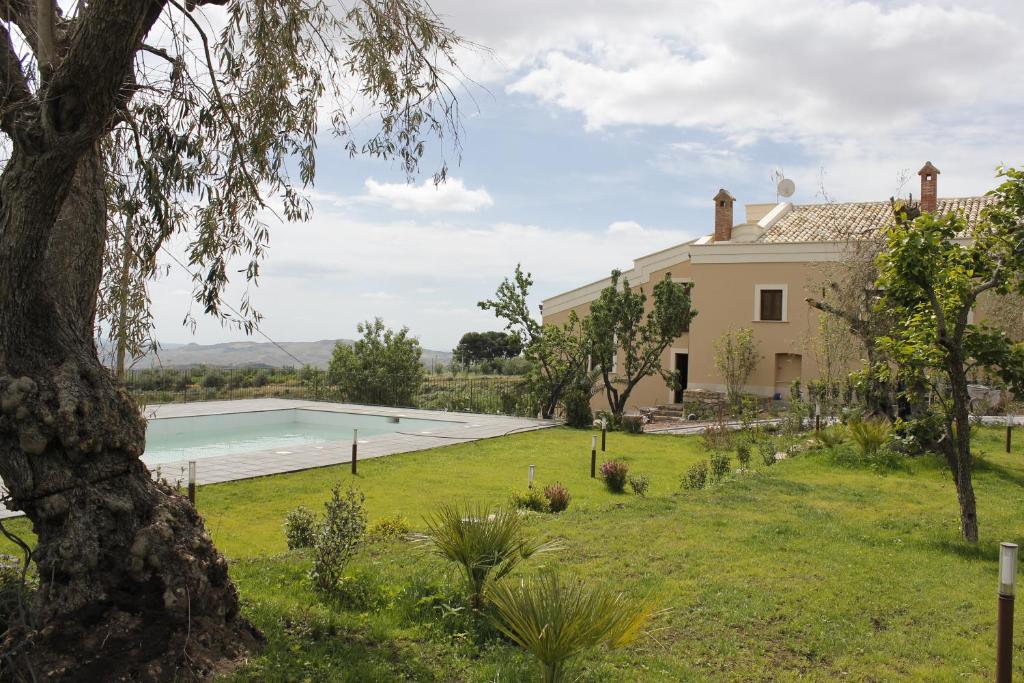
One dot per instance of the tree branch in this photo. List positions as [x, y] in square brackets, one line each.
[159, 52]
[46, 45]
[21, 13]
[85, 86]
[859, 326]
[14, 92]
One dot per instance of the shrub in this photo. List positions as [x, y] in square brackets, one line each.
[614, 473]
[697, 476]
[300, 528]
[919, 435]
[360, 591]
[870, 435]
[530, 499]
[632, 424]
[719, 466]
[558, 497]
[831, 437]
[213, 380]
[766, 449]
[718, 437]
[338, 537]
[486, 544]
[577, 410]
[388, 528]
[554, 620]
[639, 483]
[743, 454]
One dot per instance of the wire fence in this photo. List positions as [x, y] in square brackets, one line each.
[497, 395]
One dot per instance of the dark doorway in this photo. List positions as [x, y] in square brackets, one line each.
[682, 372]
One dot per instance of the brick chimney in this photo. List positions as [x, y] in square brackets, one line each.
[929, 187]
[723, 216]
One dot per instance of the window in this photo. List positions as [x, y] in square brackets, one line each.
[770, 303]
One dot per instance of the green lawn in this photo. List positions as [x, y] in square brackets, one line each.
[805, 570]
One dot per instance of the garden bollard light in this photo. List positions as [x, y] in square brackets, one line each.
[355, 445]
[1009, 432]
[1004, 637]
[593, 457]
[530, 485]
[192, 482]
[604, 432]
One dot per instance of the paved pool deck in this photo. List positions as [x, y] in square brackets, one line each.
[465, 427]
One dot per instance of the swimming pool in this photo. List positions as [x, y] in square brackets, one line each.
[172, 439]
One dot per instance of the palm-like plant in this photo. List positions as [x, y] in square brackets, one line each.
[870, 435]
[486, 544]
[555, 620]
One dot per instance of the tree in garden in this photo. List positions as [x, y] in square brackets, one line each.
[618, 320]
[478, 347]
[835, 349]
[383, 367]
[558, 353]
[932, 272]
[849, 296]
[115, 145]
[1005, 311]
[736, 358]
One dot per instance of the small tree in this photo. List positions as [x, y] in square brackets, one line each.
[478, 347]
[557, 353]
[382, 367]
[338, 537]
[618, 321]
[932, 272]
[736, 357]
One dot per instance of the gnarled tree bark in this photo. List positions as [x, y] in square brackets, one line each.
[131, 586]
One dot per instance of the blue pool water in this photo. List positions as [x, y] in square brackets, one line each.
[170, 439]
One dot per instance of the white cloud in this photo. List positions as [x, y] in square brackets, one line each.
[452, 195]
[822, 68]
[428, 275]
[379, 296]
[625, 228]
[445, 252]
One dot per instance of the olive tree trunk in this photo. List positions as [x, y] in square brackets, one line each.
[130, 583]
[131, 586]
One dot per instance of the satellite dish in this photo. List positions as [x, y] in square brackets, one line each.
[786, 187]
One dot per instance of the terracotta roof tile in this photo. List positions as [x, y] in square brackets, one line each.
[830, 222]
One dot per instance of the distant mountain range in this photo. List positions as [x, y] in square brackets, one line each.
[257, 354]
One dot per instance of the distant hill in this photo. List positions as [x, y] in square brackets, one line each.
[257, 354]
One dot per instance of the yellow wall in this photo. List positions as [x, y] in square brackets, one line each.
[724, 296]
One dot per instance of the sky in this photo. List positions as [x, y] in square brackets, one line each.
[596, 132]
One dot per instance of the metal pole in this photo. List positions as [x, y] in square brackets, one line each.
[593, 457]
[530, 485]
[604, 432]
[1009, 432]
[355, 446]
[1004, 637]
[192, 482]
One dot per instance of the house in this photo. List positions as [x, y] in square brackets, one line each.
[756, 274]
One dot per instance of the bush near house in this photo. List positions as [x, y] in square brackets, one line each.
[614, 473]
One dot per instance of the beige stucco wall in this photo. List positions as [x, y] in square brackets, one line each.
[724, 295]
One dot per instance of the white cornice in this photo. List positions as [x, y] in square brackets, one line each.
[639, 274]
[768, 252]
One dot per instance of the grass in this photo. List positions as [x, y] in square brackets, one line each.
[804, 570]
